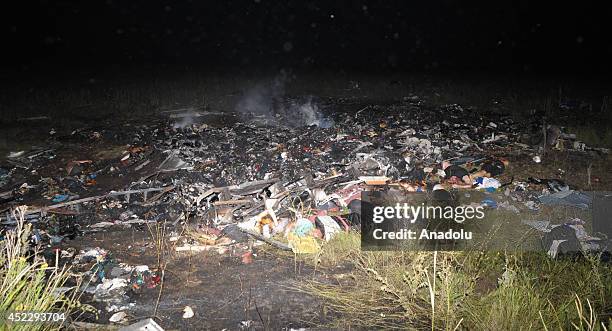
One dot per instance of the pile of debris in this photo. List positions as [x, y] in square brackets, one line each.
[223, 179]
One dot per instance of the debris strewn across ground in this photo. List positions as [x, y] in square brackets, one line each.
[193, 201]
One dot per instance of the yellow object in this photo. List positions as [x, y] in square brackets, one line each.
[303, 245]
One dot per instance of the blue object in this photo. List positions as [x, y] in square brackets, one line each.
[60, 198]
[488, 202]
[303, 227]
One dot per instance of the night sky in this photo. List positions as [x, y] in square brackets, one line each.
[519, 36]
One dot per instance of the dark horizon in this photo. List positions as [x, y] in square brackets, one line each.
[446, 36]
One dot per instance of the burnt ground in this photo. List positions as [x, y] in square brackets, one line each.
[224, 292]
[225, 147]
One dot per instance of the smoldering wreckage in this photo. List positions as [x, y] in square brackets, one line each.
[228, 182]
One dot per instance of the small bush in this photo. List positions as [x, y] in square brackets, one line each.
[26, 281]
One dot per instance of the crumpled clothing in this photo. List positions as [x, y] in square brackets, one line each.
[567, 198]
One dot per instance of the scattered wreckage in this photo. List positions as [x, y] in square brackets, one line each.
[293, 187]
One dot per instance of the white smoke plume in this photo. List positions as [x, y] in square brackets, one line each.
[269, 102]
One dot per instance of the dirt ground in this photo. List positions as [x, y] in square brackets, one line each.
[223, 292]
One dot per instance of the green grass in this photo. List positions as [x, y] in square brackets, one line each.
[27, 283]
[463, 290]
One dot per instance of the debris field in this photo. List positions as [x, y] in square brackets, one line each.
[211, 195]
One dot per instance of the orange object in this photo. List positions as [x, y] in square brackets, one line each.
[247, 258]
[374, 180]
[266, 220]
